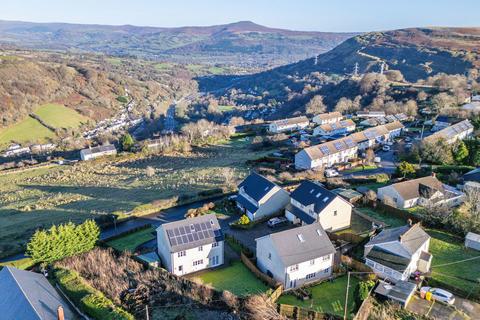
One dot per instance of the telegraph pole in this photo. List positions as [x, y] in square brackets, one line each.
[382, 67]
[355, 70]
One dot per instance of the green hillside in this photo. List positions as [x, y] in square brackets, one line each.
[59, 116]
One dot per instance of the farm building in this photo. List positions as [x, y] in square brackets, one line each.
[97, 152]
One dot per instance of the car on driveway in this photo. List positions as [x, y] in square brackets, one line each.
[277, 222]
[330, 173]
[386, 148]
[438, 294]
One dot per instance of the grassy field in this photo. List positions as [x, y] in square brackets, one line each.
[449, 265]
[22, 264]
[59, 116]
[226, 108]
[42, 197]
[235, 278]
[384, 217]
[27, 130]
[131, 241]
[327, 297]
[31, 130]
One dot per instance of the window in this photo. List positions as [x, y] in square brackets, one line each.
[326, 270]
[182, 254]
[326, 258]
[294, 267]
[197, 263]
[310, 276]
[269, 256]
[370, 263]
[180, 268]
[335, 213]
[200, 248]
[215, 244]
[312, 262]
[213, 261]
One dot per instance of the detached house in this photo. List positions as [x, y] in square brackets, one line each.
[290, 124]
[326, 154]
[419, 192]
[325, 118]
[331, 129]
[190, 245]
[258, 197]
[396, 253]
[297, 256]
[312, 203]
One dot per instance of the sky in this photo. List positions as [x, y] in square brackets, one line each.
[319, 15]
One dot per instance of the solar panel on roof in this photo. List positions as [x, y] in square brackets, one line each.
[324, 149]
[338, 145]
[349, 142]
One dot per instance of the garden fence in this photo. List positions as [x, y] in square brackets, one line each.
[259, 274]
[276, 294]
[298, 313]
[355, 264]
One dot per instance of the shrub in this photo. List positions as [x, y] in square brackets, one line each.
[364, 288]
[244, 220]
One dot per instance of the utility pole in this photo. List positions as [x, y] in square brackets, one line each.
[355, 70]
[382, 67]
[348, 286]
[316, 60]
[146, 313]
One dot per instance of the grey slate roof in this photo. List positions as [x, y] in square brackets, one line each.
[292, 251]
[388, 259]
[29, 296]
[308, 193]
[300, 214]
[256, 186]
[404, 238]
[400, 291]
[99, 149]
[192, 232]
[246, 204]
[473, 175]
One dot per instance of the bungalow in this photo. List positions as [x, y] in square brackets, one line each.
[310, 202]
[97, 152]
[420, 192]
[325, 118]
[290, 124]
[453, 133]
[331, 129]
[29, 295]
[326, 154]
[396, 253]
[190, 245]
[296, 256]
[258, 197]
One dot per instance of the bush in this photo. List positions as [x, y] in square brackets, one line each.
[89, 300]
[364, 288]
[244, 220]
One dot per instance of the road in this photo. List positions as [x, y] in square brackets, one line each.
[170, 123]
[387, 165]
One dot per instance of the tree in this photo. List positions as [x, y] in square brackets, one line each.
[315, 105]
[460, 152]
[344, 105]
[369, 156]
[443, 100]
[406, 168]
[394, 75]
[127, 142]
[58, 242]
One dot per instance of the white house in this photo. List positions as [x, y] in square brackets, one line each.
[472, 241]
[326, 154]
[419, 192]
[453, 133]
[396, 253]
[190, 245]
[370, 114]
[310, 202]
[258, 197]
[377, 135]
[331, 129]
[325, 118]
[296, 256]
[96, 152]
[290, 124]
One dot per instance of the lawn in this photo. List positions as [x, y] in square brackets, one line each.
[131, 241]
[59, 116]
[384, 217]
[226, 108]
[328, 297]
[42, 197]
[358, 225]
[25, 131]
[22, 264]
[360, 168]
[371, 186]
[235, 278]
[449, 249]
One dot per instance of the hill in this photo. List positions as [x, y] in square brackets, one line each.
[416, 52]
[240, 43]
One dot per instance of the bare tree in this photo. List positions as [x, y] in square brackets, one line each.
[369, 156]
[316, 105]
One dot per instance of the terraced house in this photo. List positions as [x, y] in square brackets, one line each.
[378, 135]
[258, 197]
[190, 245]
[331, 129]
[453, 133]
[326, 154]
[325, 118]
[290, 124]
[311, 203]
[297, 256]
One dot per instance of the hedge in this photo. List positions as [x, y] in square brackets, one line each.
[88, 299]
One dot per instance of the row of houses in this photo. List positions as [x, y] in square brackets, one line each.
[16, 150]
[344, 149]
[377, 121]
[452, 133]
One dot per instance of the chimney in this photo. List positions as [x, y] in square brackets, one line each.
[434, 174]
[60, 314]
[410, 222]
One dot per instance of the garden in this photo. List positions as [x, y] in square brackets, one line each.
[131, 241]
[328, 297]
[236, 278]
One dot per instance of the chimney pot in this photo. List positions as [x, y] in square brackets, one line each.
[60, 313]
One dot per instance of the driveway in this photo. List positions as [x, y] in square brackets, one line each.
[437, 310]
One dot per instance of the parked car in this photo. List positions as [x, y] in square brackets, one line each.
[330, 173]
[389, 143]
[386, 148]
[408, 139]
[377, 160]
[439, 294]
[277, 222]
